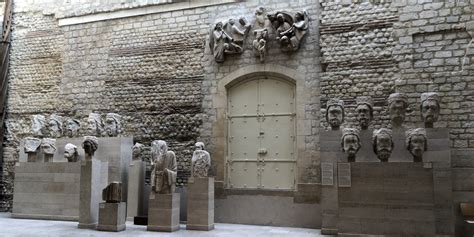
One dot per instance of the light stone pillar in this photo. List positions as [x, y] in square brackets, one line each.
[200, 206]
[94, 178]
[163, 212]
[136, 189]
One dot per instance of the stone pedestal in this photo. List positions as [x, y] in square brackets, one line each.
[32, 157]
[112, 216]
[48, 158]
[136, 183]
[163, 212]
[94, 175]
[200, 206]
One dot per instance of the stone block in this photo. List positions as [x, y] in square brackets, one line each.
[93, 180]
[112, 216]
[163, 212]
[200, 204]
[136, 186]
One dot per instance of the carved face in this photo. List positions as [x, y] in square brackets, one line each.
[350, 145]
[430, 111]
[69, 152]
[89, 147]
[137, 151]
[335, 116]
[231, 21]
[397, 111]
[363, 115]
[92, 127]
[111, 127]
[417, 145]
[383, 147]
[218, 26]
[54, 128]
[71, 128]
[38, 125]
[32, 145]
[48, 146]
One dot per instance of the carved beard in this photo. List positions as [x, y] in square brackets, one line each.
[383, 154]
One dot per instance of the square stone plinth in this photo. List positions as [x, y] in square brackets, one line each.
[136, 183]
[112, 216]
[163, 212]
[200, 207]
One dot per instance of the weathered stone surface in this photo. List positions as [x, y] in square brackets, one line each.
[112, 193]
[163, 177]
[163, 212]
[112, 216]
[94, 175]
[200, 204]
[201, 162]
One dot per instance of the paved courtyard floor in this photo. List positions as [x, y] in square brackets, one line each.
[25, 227]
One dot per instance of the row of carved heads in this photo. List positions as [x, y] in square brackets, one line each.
[57, 126]
[397, 106]
[229, 37]
[382, 143]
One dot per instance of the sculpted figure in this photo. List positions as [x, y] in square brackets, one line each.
[95, 127]
[382, 143]
[350, 143]
[55, 125]
[38, 125]
[72, 127]
[430, 108]
[31, 145]
[261, 33]
[112, 193]
[70, 153]
[239, 33]
[90, 145]
[137, 151]
[417, 143]
[113, 125]
[364, 111]
[48, 146]
[335, 113]
[290, 30]
[397, 106]
[201, 161]
[228, 38]
[164, 165]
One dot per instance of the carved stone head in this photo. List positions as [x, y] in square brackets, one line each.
[397, 106]
[382, 143]
[350, 143]
[417, 143]
[90, 145]
[335, 113]
[158, 148]
[70, 153]
[55, 126]
[48, 146]
[137, 151]
[199, 146]
[112, 124]
[430, 108]
[95, 127]
[38, 125]
[364, 111]
[72, 127]
[32, 145]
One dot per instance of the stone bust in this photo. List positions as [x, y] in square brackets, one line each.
[72, 127]
[48, 145]
[38, 125]
[90, 145]
[137, 151]
[364, 111]
[95, 127]
[335, 113]
[32, 145]
[55, 126]
[112, 124]
[382, 143]
[430, 108]
[397, 106]
[201, 161]
[416, 143]
[70, 153]
[164, 165]
[350, 143]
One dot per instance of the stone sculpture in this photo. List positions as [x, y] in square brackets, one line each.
[228, 38]
[430, 108]
[417, 143]
[72, 127]
[201, 161]
[364, 111]
[31, 147]
[290, 29]
[137, 151]
[48, 145]
[38, 125]
[261, 29]
[70, 153]
[163, 180]
[382, 143]
[335, 113]
[95, 127]
[397, 106]
[113, 124]
[350, 143]
[90, 145]
[55, 126]
[112, 193]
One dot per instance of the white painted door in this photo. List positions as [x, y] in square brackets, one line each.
[261, 136]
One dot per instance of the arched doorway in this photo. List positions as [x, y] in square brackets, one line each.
[261, 134]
